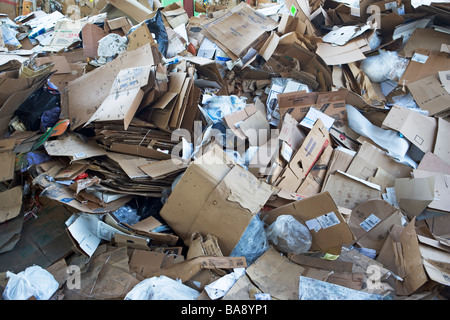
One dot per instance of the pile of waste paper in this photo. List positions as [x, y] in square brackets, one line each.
[225, 150]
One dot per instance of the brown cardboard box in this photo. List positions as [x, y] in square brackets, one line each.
[198, 202]
[322, 217]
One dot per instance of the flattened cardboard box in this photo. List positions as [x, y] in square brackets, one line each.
[276, 274]
[320, 214]
[430, 95]
[125, 96]
[238, 29]
[369, 158]
[424, 63]
[215, 196]
[349, 191]
[417, 128]
[88, 92]
[371, 222]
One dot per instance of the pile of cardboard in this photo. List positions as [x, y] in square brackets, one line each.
[140, 141]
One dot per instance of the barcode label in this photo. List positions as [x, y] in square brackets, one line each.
[79, 155]
[324, 221]
[418, 57]
[370, 222]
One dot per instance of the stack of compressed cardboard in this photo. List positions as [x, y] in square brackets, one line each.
[158, 144]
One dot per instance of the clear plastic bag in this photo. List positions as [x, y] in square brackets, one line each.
[253, 242]
[161, 288]
[387, 65]
[33, 281]
[218, 107]
[127, 214]
[287, 234]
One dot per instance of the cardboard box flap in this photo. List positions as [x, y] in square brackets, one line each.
[322, 217]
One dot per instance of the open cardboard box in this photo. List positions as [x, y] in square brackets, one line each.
[215, 196]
